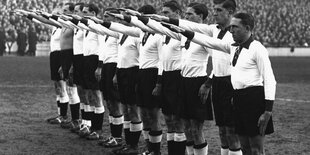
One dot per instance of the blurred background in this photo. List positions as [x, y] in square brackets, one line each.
[280, 23]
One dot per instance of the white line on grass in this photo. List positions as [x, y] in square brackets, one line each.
[292, 100]
[25, 86]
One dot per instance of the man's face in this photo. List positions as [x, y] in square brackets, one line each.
[86, 12]
[108, 18]
[220, 14]
[66, 9]
[191, 15]
[166, 11]
[77, 10]
[238, 30]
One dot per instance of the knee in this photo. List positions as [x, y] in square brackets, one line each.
[257, 151]
[233, 141]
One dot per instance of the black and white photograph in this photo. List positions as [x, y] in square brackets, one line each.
[154, 77]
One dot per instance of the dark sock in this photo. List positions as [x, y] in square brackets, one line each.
[63, 109]
[171, 146]
[180, 147]
[82, 114]
[99, 121]
[58, 104]
[127, 136]
[75, 111]
[118, 128]
[135, 135]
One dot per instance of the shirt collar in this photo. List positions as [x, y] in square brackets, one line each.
[245, 44]
[222, 28]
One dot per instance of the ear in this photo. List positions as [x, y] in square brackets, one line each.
[248, 28]
[201, 16]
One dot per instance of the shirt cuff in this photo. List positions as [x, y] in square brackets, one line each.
[74, 21]
[106, 24]
[84, 21]
[100, 64]
[174, 21]
[54, 17]
[188, 34]
[144, 20]
[269, 105]
[159, 79]
[127, 18]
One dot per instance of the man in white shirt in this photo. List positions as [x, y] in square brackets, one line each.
[95, 110]
[252, 79]
[222, 90]
[147, 84]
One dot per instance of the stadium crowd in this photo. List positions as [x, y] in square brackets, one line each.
[280, 23]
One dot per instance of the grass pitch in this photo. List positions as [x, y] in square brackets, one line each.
[27, 99]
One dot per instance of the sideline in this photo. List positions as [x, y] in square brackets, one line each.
[24, 86]
[292, 100]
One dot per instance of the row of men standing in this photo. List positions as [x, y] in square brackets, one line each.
[154, 72]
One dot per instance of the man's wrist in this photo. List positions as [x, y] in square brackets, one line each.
[268, 105]
[268, 112]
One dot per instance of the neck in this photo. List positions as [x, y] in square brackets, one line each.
[245, 38]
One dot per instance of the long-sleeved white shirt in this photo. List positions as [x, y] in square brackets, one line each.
[220, 60]
[149, 51]
[253, 67]
[194, 58]
[128, 52]
[55, 39]
[108, 49]
[171, 54]
[90, 43]
[78, 38]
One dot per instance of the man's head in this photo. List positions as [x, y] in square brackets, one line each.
[78, 8]
[90, 10]
[241, 27]
[147, 9]
[68, 8]
[126, 14]
[196, 12]
[223, 10]
[171, 9]
[111, 18]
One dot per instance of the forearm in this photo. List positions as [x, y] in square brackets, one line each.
[204, 40]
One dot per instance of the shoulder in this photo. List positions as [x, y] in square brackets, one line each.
[259, 48]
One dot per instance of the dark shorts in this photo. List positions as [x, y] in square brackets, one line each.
[78, 65]
[191, 102]
[249, 105]
[171, 85]
[66, 60]
[90, 66]
[127, 82]
[146, 83]
[55, 65]
[110, 91]
[222, 92]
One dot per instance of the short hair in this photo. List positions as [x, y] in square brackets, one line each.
[246, 19]
[227, 4]
[147, 9]
[113, 10]
[92, 7]
[81, 5]
[201, 9]
[71, 6]
[129, 7]
[173, 5]
[192, 4]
